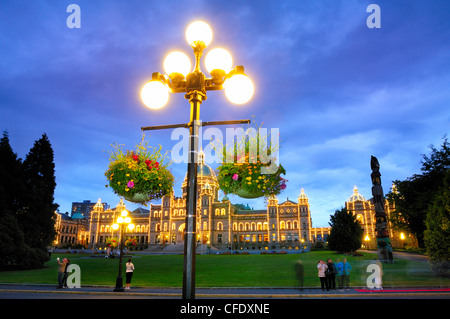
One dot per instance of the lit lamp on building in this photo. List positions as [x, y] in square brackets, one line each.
[122, 221]
[180, 78]
[367, 239]
[402, 238]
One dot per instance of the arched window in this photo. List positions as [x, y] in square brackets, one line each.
[295, 224]
[217, 212]
[234, 226]
[265, 226]
[158, 227]
[222, 212]
[282, 225]
[219, 226]
[259, 226]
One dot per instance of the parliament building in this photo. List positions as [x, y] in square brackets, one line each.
[221, 225]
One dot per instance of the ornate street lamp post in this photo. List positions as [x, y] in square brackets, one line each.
[180, 79]
[122, 221]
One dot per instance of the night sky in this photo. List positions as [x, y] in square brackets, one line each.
[338, 90]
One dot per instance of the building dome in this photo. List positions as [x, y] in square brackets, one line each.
[203, 170]
[78, 216]
[356, 196]
[302, 196]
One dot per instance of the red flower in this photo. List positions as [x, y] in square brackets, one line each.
[136, 158]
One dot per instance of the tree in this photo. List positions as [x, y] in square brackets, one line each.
[437, 234]
[38, 219]
[12, 244]
[413, 196]
[346, 232]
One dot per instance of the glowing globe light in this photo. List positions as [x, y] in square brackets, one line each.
[239, 89]
[177, 62]
[115, 226]
[199, 31]
[155, 94]
[218, 59]
[131, 226]
[119, 220]
[124, 213]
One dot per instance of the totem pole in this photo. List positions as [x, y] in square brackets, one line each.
[381, 226]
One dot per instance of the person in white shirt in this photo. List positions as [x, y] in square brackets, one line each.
[322, 267]
[129, 273]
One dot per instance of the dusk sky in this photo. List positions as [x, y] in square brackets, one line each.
[338, 90]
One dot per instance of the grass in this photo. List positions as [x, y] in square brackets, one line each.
[228, 271]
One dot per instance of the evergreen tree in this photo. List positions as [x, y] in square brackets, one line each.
[12, 245]
[38, 218]
[346, 232]
[437, 235]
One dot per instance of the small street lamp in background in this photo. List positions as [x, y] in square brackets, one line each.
[122, 221]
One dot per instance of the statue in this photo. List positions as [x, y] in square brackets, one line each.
[381, 226]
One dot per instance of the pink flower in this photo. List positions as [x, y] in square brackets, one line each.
[235, 177]
[130, 184]
[283, 186]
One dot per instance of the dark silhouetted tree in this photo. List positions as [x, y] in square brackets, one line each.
[346, 232]
[413, 196]
[437, 234]
[38, 218]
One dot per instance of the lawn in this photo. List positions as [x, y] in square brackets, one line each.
[228, 271]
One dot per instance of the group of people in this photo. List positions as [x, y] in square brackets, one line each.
[63, 272]
[330, 272]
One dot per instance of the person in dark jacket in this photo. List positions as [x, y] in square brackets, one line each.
[331, 274]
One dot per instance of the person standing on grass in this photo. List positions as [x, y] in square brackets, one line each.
[129, 273]
[331, 274]
[299, 272]
[322, 267]
[61, 270]
[346, 267]
[339, 269]
[66, 274]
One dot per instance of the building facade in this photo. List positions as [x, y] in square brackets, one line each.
[365, 215]
[220, 224]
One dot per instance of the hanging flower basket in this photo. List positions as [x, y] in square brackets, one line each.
[131, 243]
[112, 242]
[247, 176]
[139, 175]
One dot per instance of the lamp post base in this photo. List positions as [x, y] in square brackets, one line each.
[119, 285]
